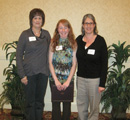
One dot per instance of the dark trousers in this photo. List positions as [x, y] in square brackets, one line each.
[56, 111]
[34, 93]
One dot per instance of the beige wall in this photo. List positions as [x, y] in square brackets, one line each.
[113, 17]
[113, 20]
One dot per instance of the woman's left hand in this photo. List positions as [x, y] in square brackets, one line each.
[65, 85]
[101, 89]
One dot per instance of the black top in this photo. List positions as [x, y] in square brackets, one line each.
[32, 53]
[93, 61]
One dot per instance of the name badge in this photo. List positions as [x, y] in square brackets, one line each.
[32, 39]
[91, 52]
[59, 47]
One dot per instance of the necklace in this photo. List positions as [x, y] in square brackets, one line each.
[37, 33]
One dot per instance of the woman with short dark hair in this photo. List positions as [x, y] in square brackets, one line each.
[37, 12]
[32, 63]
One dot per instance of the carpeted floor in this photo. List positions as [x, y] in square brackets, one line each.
[5, 115]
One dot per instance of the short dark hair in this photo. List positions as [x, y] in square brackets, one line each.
[34, 12]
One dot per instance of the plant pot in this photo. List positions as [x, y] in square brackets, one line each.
[118, 113]
[16, 111]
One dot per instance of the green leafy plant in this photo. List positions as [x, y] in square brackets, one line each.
[13, 89]
[117, 93]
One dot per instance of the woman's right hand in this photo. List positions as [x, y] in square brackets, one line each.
[58, 85]
[24, 80]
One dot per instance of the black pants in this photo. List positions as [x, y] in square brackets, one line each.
[56, 111]
[34, 93]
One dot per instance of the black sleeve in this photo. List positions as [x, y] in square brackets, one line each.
[104, 63]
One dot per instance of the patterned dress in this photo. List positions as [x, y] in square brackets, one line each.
[62, 60]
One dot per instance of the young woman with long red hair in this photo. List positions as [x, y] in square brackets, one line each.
[62, 63]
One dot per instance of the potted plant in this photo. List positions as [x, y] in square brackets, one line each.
[117, 92]
[13, 89]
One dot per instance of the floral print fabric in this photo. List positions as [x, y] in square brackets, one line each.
[62, 60]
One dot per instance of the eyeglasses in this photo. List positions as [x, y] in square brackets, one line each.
[91, 23]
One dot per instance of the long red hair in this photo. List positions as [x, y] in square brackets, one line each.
[56, 36]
